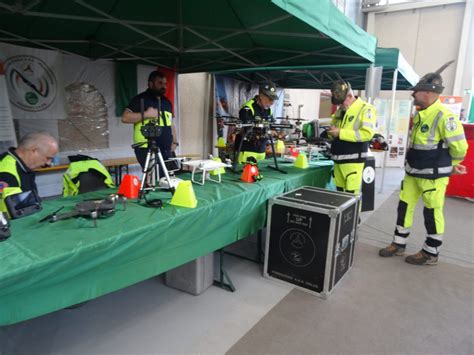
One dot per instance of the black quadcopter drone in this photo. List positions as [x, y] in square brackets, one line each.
[94, 209]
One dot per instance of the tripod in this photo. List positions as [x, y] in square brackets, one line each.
[154, 159]
[151, 131]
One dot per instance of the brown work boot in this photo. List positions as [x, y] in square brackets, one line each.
[421, 258]
[391, 250]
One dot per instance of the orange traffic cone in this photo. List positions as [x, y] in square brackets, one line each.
[250, 173]
[130, 186]
[294, 152]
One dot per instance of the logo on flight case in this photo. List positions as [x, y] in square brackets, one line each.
[297, 247]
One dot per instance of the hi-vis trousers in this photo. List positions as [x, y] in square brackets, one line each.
[348, 177]
[432, 192]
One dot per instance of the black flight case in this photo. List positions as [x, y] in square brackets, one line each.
[311, 234]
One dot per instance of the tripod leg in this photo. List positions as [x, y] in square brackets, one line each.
[165, 170]
[154, 176]
[274, 156]
[141, 193]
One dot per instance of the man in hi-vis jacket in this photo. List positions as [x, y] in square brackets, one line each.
[437, 146]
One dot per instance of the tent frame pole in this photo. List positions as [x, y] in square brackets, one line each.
[387, 129]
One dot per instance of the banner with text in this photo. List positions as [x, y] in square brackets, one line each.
[34, 82]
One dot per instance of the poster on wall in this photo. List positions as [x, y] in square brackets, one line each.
[397, 133]
[453, 103]
[7, 131]
[34, 82]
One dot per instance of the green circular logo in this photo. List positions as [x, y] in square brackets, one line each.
[425, 128]
[32, 84]
[31, 98]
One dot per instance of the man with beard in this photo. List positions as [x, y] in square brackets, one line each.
[437, 147]
[157, 107]
[35, 150]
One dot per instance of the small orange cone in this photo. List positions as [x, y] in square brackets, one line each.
[294, 152]
[250, 173]
[130, 186]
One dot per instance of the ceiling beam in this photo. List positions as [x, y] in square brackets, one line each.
[137, 45]
[320, 53]
[39, 43]
[221, 46]
[237, 32]
[313, 76]
[124, 24]
[131, 54]
[218, 60]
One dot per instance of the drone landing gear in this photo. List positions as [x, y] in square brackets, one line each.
[272, 144]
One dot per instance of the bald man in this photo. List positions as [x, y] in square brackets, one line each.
[35, 150]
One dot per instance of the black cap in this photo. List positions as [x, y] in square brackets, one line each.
[430, 82]
[269, 90]
[339, 91]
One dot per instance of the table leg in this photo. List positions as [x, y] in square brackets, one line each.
[224, 281]
[260, 257]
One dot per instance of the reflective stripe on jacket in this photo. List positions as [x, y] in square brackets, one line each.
[437, 142]
[71, 176]
[356, 130]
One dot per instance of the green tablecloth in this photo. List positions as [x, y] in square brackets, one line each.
[46, 267]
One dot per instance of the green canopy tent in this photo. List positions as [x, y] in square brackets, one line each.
[390, 60]
[322, 76]
[191, 36]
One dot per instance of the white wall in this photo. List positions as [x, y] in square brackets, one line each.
[308, 98]
[195, 119]
[428, 37]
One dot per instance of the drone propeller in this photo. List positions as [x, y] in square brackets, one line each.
[50, 216]
[228, 117]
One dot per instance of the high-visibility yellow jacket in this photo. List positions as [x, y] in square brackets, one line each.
[165, 120]
[255, 142]
[71, 176]
[437, 142]
[8, 165]
[257, 113]
[356, 130]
